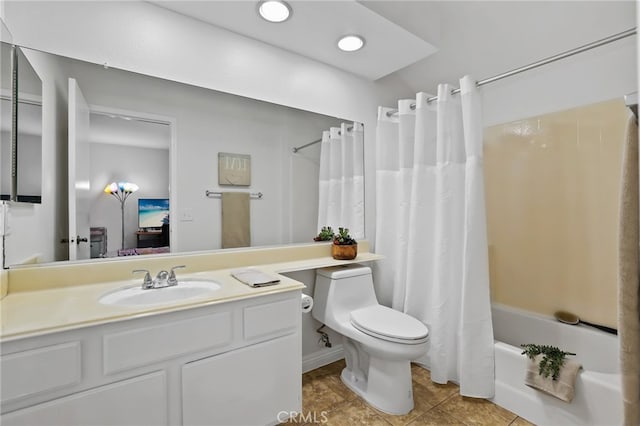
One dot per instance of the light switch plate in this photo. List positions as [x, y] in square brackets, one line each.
[187, 215]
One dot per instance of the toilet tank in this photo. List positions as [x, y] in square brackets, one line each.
[342, 289]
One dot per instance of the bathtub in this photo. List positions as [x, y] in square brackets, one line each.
[597, 399]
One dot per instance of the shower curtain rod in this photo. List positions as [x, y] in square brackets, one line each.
[545, 61]
[298, 148]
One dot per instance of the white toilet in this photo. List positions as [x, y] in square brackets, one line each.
[378, 342]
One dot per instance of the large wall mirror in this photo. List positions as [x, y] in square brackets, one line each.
[161, 145]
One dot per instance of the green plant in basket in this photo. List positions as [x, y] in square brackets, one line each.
[344, 247]
[342, 238]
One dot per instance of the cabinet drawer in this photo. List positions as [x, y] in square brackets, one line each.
[271, 319]
[138, 401]
[40, 370]
[147, 345]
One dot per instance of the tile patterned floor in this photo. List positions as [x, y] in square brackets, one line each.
[326, 400]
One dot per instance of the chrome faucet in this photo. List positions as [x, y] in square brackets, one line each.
[147, 282]
[163, 278]
[172, 280]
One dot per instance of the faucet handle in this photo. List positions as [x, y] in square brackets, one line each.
[147, 281]
[172, 275]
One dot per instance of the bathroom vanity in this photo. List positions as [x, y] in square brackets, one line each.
[232, 357]
[230, 363]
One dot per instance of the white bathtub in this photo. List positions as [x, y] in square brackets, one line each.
[597, 399]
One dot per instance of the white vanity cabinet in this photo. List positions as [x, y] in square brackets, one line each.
[238, 362]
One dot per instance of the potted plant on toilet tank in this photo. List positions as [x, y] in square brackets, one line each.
[344, 247]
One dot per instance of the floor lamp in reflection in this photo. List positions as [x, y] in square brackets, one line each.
[121, 191]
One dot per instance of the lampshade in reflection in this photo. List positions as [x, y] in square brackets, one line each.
[121, 191]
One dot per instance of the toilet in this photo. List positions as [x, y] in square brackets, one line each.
[378, 342]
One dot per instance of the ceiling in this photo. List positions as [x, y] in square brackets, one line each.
[123, 130]
[314, 29]
[423, 42]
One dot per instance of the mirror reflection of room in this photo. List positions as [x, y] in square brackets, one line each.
[166, 138]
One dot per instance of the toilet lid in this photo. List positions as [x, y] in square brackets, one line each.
[388, 324]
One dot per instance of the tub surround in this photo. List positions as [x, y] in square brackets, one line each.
[552, 188]
[58, 297]
[4, 283]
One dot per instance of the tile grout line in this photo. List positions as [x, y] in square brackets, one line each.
[453, 394]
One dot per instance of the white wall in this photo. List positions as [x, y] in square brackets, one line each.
[598, 75]
[5, 150]
[146, 167]
[5, 34]
[304, 174]
[29, 152]
[314, 352]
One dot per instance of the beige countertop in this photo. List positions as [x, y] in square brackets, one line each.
[27, 313]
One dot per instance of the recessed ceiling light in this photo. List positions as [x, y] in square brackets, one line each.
[274, 10]
[350, 43]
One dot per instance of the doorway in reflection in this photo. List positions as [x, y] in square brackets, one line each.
[129, 148]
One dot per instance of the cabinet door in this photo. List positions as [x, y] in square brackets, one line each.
[249, 386]
[138, 401]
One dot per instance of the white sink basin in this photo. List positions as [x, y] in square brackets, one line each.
[136, 296]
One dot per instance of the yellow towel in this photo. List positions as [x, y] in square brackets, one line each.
[563, 387]
[236, 220]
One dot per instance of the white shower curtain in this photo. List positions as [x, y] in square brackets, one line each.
[341, 181]
[431, 227]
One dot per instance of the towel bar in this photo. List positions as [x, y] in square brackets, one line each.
[218, 194]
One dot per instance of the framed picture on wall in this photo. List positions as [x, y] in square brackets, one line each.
[234, 169]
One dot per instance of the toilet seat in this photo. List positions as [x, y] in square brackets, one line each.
[390, 325]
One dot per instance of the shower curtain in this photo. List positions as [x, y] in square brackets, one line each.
[431, 227]
[341, 180]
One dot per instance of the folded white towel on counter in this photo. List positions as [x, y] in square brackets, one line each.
[254, 277]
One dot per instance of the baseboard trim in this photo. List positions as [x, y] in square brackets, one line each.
[321, 358]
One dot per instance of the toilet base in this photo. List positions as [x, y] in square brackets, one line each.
[387, 387]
